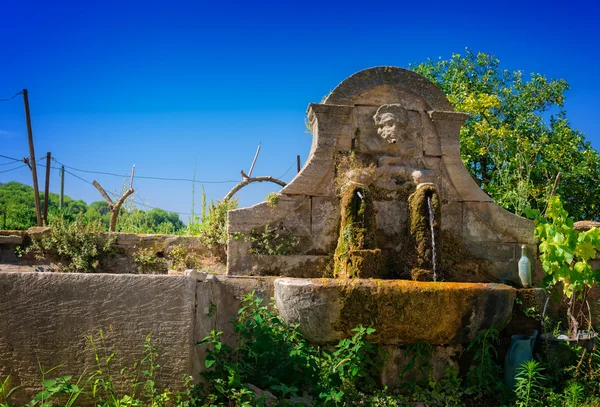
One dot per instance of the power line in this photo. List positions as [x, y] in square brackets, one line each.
[10, 98]
[115, 195]
[15, 168]
[288, 170]
[9, 163]
[78, 177]
[10, 158]
[148, 177]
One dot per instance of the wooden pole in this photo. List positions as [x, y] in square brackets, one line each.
[254, 161]
[36, 190]
[298, 162]
[62, 187]
[47, 187]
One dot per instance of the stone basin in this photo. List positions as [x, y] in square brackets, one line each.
[401, 311]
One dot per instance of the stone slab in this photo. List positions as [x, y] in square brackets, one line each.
[46, 316]
[11, 240]
[295, 265]
[291, 210]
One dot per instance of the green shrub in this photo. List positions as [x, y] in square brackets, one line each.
[78, 246]
[213, 229]
[276, 358]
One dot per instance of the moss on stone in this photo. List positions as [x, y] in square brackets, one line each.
[356, 254]
[417, 311]
[420, 228]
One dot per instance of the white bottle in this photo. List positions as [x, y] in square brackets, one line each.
[524, 269]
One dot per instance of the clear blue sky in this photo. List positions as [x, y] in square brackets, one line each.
[163, 84]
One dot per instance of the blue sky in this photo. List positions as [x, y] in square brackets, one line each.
[169, 86]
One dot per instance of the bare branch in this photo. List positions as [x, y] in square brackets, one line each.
[115, 208]
[104, 194]
[249, 180]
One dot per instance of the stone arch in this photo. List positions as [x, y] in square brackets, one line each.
[386, 76]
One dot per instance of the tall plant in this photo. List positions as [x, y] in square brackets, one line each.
[565, 254]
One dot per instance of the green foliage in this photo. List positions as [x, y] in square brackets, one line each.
[529, 384]
[100, 388]
[275, 357]
[182, 258]
[148, 262]
[419, 362]
[507, 143]
[565, 255]
[446, 392]
[213, 229]
[6, 390]
[272, 199]
[77, 246]
[484, 377]
[271, 241]
[17, 202]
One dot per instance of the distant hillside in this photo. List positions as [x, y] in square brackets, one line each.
[17, 211]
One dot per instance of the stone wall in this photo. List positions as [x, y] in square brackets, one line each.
[121, 261]
[47, 316]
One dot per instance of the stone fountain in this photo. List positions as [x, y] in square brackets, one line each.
[389, 229]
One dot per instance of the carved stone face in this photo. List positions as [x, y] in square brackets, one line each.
[391, 121]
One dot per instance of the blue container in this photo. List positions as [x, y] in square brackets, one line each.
[521, 350]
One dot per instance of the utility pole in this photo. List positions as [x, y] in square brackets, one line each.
[298, 162]
[62, 186]
[36, 190]
[47, 188]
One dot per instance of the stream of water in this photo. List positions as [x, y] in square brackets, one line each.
[433, 248]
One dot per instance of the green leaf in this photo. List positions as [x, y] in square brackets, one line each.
[587, 251]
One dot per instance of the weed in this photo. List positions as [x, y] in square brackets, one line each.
[272, 242]
[182, 258]
[529, 384]
[146, 260]
[483, 378]
[213, 230]
[275, 357]
[272, 199]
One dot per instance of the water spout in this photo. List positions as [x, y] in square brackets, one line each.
[433, 248]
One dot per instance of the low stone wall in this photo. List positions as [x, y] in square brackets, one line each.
[126, 247]
[46, 318]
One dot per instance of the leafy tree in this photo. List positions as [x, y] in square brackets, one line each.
[511, 143]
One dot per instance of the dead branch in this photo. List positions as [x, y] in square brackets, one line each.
[115, 208]
[248, 180]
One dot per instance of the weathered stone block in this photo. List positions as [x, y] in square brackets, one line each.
[295, 265]
[291, 210]
[46, 317]
[325, 218]
[452, 218]
[11, 240]
[489, 222]
[391, 217]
